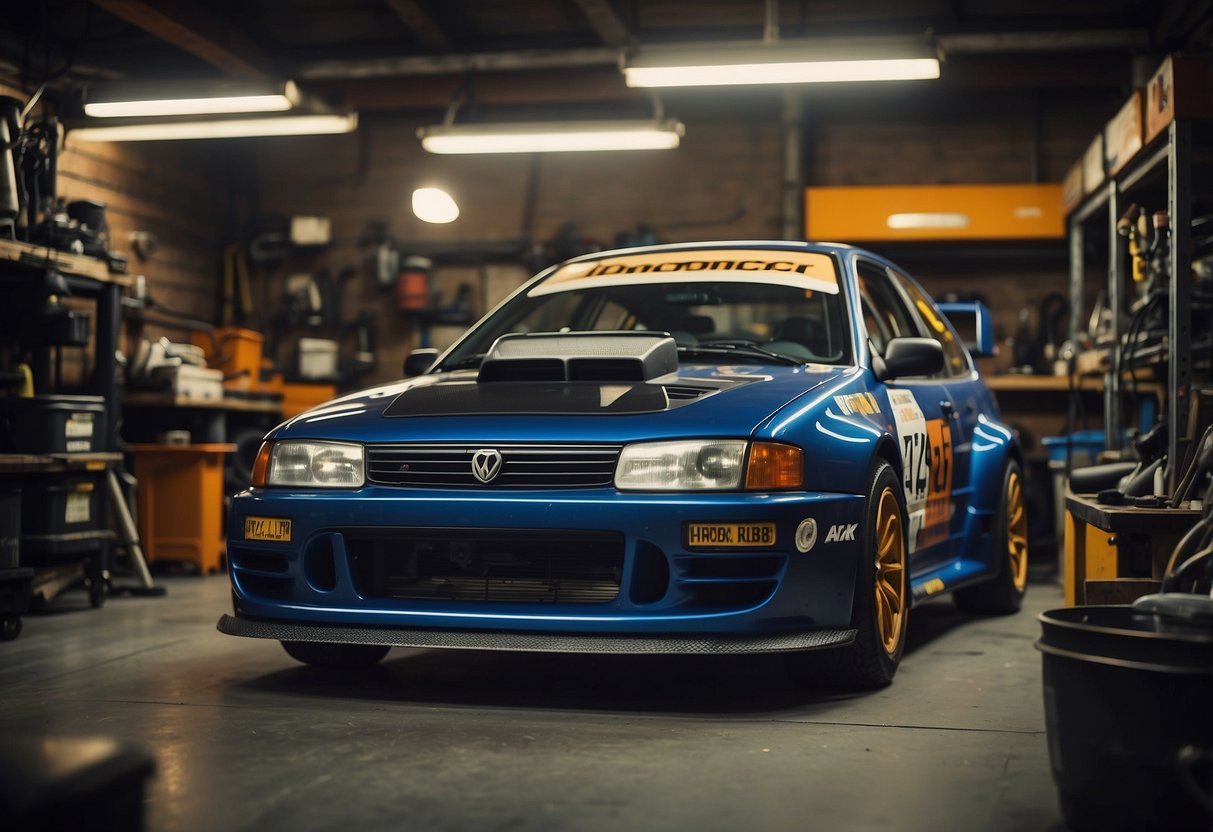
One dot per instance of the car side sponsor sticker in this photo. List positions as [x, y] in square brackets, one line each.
[276, 529]
[729, 535]
[926, 458]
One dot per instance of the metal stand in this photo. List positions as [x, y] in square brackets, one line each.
[130, 536]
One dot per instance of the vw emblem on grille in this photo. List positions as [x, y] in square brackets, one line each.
[486, 464]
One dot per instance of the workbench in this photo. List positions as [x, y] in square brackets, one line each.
[1116, 554]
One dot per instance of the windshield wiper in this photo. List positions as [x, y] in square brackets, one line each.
[746, 350]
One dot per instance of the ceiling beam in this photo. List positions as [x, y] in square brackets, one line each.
[487, 62]
[606, 21]
[601, 84]
[191, 30]
[1091, 39]
[423, 26]
[459, 64]
[593, 84]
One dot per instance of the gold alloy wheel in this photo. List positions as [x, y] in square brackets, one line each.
[890, 571]
[1017, 532]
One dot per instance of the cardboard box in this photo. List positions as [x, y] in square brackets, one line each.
[1123, 134]
[1093, 166]
[1071, 188]
[1180, 88]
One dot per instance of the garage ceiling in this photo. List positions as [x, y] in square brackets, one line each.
[413, 54]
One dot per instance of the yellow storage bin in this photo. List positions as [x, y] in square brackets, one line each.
[237, 352]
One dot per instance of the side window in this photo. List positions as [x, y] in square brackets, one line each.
[878, 335]
[956, 361]
[885, 313]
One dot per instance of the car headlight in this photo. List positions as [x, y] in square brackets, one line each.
[709, 465]
[312, 464]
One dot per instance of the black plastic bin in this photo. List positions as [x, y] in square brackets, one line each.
[52, 424]
[1129, 713]
[62, 514]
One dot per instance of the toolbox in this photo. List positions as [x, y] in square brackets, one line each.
[49, 424]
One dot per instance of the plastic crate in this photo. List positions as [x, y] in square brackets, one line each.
[52, 424]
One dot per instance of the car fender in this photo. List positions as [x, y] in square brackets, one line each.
[843, 428]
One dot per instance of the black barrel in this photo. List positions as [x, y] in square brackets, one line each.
[1129, 712]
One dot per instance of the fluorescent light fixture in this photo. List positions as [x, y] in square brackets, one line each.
[141, 100]
[555, 136]
[289, 124]
[783, 62]
[928, 219]
[434, 205]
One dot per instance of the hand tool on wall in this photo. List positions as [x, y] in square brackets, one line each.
[237, 307]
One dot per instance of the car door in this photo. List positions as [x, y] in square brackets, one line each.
[922, 411]
[961, 379]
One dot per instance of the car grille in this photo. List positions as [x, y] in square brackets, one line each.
[495, 565]
[522, 466]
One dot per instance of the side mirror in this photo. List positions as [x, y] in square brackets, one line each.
[418, 362]
[975, 325]
[908, 357]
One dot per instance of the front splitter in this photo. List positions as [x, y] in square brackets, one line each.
[538, 643]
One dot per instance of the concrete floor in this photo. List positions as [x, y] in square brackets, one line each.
[245, 738]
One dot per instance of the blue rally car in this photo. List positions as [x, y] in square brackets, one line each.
[728, 447]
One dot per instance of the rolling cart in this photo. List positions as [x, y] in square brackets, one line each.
[14, 600]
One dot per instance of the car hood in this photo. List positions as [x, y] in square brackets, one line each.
[697, 401]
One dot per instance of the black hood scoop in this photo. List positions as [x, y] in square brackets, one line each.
[565, 373]
[602, 357]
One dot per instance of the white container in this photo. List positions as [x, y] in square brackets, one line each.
[317, 358]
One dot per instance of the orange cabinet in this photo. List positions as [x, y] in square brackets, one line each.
[181, 503]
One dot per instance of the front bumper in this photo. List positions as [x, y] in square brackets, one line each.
[707, 600]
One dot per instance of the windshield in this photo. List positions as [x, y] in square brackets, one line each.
[771, 307]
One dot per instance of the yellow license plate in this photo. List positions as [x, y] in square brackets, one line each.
[734, 535]
[277, 529]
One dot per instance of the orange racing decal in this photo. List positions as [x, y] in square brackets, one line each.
[939, 484]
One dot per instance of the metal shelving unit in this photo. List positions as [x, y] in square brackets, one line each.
[1165, 162]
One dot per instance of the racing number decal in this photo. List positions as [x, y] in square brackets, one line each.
[939, 488]
[926, 458]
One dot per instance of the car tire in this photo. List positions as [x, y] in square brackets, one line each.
[882, 600]
[1003, 594]
[344, 656]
